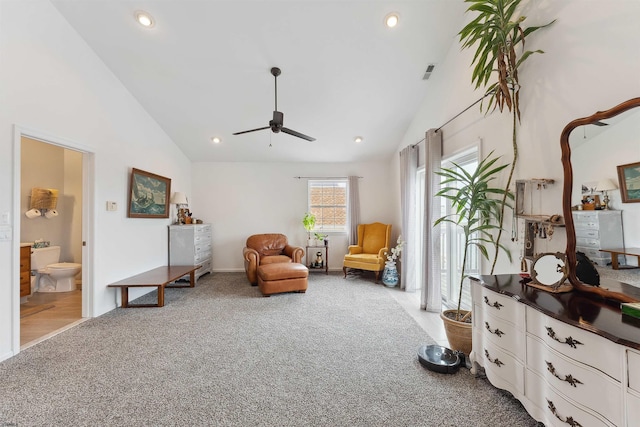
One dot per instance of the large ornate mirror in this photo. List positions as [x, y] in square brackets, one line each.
[571, 137]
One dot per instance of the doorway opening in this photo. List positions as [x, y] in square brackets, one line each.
[44, 162]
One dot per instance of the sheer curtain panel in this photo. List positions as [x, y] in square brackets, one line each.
[431, 298]
[408, 170]
[353, 212]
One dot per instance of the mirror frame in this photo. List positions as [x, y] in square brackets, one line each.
[566, 200]
[557, 257]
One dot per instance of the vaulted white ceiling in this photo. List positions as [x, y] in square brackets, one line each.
[203, 70]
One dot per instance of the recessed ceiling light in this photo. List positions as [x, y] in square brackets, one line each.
[144, 19]
[358, 139]
[216, 140]
[391, 20]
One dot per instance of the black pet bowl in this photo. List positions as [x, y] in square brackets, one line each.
[440, 359]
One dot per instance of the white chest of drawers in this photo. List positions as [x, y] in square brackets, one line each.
[573, 365]
[632, 392]
[498, 338]
[191, 245]
[566, 358]
[597, 230]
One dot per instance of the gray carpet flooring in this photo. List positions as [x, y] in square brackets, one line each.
[220, 354]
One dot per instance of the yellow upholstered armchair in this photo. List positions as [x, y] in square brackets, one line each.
[369, 253]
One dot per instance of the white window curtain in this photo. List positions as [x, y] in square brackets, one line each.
[408, 170]
[431, 298]
[353, 211]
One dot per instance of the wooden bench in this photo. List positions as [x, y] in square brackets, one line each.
[160, 278]
[622, 251]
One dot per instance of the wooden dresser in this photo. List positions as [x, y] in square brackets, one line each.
[569, 358]
[25, 270]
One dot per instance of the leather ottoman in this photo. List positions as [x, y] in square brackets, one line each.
[282, 277]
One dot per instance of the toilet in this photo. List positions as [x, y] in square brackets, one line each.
[51, 275]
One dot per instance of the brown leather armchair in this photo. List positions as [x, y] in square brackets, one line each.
[370, 252]
[270, 248]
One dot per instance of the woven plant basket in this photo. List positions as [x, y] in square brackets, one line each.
[458, 333]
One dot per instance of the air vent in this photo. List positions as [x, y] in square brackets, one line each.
[427, 73]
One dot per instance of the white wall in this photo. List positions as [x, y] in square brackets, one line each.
[241, 199]
[591, 63]
[72, 213]
[50, 81]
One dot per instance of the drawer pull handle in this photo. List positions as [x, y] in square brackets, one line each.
[568, 341]
[496, 304]
[567, 420]
[497, 331]
[568, 378]
[495, 361]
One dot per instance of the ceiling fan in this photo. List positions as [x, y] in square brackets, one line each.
[276, 124]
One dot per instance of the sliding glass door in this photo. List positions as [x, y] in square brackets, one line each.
[452, 241]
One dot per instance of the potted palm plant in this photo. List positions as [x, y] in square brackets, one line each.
[476, 209]
[498, 36]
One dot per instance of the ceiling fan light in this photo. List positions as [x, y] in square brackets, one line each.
[216, 140]
[144, 19]
[391, 20]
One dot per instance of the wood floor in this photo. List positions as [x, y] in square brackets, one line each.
[45, 313]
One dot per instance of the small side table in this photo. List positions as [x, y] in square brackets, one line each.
[311, 258]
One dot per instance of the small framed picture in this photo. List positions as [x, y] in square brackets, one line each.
[629, 180]
[148, 195]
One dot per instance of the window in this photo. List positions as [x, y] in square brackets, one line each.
[328, 202]
[452, 242]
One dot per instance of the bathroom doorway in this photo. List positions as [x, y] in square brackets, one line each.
[51, 163]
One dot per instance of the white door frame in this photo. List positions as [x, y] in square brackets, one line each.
[88, 220]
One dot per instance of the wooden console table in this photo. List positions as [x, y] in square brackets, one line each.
[160, 278]
[622, 251]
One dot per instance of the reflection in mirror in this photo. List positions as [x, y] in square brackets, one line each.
[592, 148]
[596, 150]
[548, 271]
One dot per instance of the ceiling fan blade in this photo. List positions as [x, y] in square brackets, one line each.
[298, 134]
[252, 130]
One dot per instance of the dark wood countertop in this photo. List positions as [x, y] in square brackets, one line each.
[583, 310]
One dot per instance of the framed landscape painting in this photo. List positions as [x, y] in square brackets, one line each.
[629, 180]
[148, 195]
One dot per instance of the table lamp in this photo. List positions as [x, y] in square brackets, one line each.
[605, 185]
[179, 199]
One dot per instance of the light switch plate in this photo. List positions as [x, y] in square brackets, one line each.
[112, 206]
[6, 218]
[5, 233]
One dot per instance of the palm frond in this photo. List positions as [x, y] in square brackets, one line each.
[495, 32]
